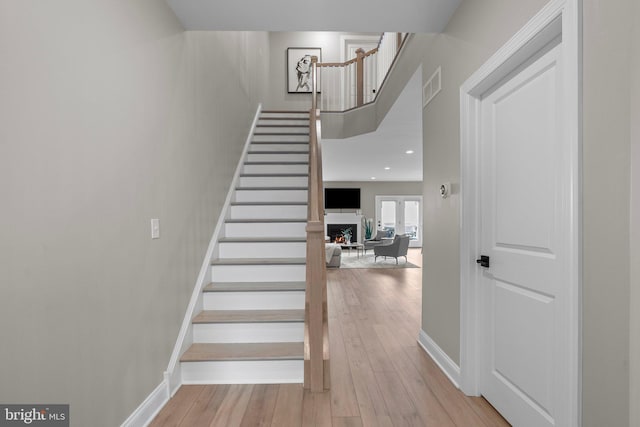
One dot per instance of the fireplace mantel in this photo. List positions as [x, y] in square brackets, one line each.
[344, 218]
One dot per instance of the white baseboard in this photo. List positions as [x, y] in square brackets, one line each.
[146, 412]
[448, 366]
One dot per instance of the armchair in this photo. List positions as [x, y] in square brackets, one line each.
[374, 241]
[398, 248]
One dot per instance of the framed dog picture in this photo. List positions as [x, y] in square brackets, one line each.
[299, 68]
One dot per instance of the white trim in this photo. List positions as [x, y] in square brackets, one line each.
[444, 362]
[146, 412]
[559, 17]
[185, 337]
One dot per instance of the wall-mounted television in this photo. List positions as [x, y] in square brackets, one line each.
[342, 198]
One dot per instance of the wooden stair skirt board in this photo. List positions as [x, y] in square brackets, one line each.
[252, 324]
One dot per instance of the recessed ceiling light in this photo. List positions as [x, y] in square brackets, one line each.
[387, 168]
[373, 177]
[409, 152]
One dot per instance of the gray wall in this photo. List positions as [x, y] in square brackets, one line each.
[606, 186]
[635, 222]
[111, 115]
[475, 32]
[369, 190]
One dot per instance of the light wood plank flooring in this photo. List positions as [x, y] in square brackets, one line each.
[379, 374]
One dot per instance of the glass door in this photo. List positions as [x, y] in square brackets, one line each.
[400, 215]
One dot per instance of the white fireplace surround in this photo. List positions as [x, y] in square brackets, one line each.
[344, 218]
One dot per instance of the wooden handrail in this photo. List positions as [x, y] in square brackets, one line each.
[316, 342]
[349, 62]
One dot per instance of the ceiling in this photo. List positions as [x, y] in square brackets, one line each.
[414, 16]
[365, 156]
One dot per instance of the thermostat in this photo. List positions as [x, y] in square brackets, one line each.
[445, 190]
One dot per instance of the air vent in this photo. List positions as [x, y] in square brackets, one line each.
[431, 87]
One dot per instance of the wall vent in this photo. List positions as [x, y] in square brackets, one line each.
[431, 87]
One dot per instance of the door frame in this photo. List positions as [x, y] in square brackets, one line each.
[560, 18]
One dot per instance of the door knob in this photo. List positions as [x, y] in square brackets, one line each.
[483, 261]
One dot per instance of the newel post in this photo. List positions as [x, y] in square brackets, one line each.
[360, 77]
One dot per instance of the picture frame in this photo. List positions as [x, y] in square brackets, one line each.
[298, 65]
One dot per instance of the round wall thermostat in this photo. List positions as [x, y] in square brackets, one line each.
[445, 190]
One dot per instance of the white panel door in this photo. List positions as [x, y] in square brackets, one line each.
[525, 223]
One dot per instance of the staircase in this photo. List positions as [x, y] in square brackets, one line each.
[251, 327]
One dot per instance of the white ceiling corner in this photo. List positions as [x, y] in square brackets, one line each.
[414, 16]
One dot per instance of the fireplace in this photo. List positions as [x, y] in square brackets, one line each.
[335, 230]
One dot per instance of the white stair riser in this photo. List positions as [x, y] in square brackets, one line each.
[275, 129]
[262, 229]
[271, 196]
[274, 181]
[285, 122]
[262, 249]
[277, 157]
[265, 273]
[294, 168]
[248, 332]
[281, 138]
[285, 115]
[243, 372]
[275, 147]
[275, 300]
[268, 211]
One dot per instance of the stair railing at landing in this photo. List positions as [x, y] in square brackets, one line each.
[316, 337]
[357, 82]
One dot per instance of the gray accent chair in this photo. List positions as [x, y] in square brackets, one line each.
[375, 241]
[397, 248]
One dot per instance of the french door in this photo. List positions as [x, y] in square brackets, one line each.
[400, 215]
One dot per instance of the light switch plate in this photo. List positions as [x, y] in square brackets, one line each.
[155, 228]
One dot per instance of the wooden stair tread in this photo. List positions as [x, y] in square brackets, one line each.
[285, 118]
[280, 188]
[249, 316]
[276, 163]
[280, 143]
[203, 352]
[269, 204]
[259, 261]
[277, 152]
[282, 134]
[273, 175]
[284, 126]
[285, 111]
[264, 220]
[262, 239]
[255, 286]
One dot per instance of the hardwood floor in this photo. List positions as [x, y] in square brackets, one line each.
[379, 374]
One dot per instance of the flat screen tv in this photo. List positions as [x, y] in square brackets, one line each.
[342, 198]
